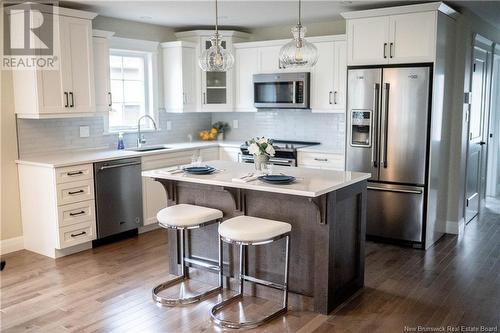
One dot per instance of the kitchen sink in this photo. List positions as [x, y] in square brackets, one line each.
[148, 148]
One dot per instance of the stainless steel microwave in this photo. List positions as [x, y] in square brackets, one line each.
[281, 90]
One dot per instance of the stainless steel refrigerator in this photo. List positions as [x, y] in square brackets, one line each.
[387, 135]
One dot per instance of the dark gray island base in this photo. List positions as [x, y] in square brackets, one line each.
[327, 238]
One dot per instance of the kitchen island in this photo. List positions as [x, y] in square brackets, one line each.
[327, 211]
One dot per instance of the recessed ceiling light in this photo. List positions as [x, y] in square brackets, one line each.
[145, 17]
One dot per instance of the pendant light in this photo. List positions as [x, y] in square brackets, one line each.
[216, 58]
[298, 52]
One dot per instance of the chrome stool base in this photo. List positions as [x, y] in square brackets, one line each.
[180, 301]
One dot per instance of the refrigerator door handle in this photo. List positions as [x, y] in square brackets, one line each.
[374, 125]
[394, 190]
[386, 123]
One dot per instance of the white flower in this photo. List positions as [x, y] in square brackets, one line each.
[270, 150]
[262, 140]
[254, 149]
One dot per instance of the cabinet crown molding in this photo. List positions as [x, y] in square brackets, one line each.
[102, 33]
[424, 7]
[208, 33]
[56, 10]
[178, 43]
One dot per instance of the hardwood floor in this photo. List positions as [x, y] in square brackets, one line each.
[108, 289]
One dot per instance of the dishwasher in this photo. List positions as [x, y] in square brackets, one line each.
[118, 192]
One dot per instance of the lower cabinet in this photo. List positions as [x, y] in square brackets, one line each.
[317, 160]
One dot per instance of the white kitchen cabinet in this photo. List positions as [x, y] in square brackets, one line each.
[68, 90]
[57, 208]
[340, 76]
[269, 58]
[320, 160]
[395, 35]
[103, 97]
[245, 66]
[179, 76]
[215, 88]
[232, 154]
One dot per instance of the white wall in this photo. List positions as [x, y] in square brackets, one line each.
[493, 178]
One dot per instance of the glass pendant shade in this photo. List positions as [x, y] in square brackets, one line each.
[216, 58]
[298, 52]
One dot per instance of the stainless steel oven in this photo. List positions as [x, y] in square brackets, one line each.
[272, 160]
[281, 90]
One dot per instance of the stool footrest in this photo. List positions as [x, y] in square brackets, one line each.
[180, 301]
[264, 282]
[244, 324]
[202, 263]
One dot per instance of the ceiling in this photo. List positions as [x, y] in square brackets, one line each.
[250, 14]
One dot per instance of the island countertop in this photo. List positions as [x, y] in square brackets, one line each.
[309, 182]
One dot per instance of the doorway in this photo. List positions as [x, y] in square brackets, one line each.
[478, 126]
[493, 167]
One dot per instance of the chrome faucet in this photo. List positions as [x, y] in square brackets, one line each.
[140, 137]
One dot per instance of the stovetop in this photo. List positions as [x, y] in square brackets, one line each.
[284, 145]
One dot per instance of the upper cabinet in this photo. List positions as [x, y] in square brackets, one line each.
[396, 35]
[245, 66]
[67, 89]
[179, 76]
[103, 97]
[215, 88]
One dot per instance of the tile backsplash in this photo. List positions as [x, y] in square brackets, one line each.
[299, 125]
[45, 135]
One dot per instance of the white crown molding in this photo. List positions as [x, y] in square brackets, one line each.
[423, 7]
[11, 245]
[102, 33]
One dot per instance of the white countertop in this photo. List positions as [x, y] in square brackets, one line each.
[309, 183]
[67, 158]
[323, 149]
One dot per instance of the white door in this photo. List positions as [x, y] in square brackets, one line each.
[245, 66]
[78, 39]
[367, 40]
[189, 63]
[103, 98]
[340, 76]
[412, 37]
[270, 59]
[322, 78]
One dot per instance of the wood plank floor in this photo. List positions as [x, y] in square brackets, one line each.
[108, 289]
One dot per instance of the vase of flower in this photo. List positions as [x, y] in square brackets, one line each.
[220, 136]
[261, 149]
[221, 127]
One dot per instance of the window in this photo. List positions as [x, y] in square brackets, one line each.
[131, 89]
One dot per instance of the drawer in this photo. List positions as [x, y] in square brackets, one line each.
[76, 234]
[75, 192]
[76, 213]
[321, 160]
[74, 173]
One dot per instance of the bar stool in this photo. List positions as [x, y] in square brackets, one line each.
[185, 217]
[245, 231]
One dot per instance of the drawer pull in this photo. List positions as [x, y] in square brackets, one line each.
[79, 234]
[321, 159]
[76, 192]
[75, 173]
[78, 213]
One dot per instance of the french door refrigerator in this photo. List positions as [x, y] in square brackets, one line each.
[387, 136]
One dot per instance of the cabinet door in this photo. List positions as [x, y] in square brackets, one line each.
[322, 78]
[78, 39]
[189, 64]
[103, 96]
[270, 59]
[216, 86]
[412, 37]
[340, 76]
[246, 65]
[367, 40]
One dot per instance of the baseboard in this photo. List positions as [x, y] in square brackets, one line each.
[455, 227]
[11, 245]
[149, 227]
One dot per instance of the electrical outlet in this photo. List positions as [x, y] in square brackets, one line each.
[84, 131]
[169, 125]
[235, 123]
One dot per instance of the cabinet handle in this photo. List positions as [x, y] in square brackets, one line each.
[76, 192]
[74, 173]
[321, 159]
[335, 97]
[385, 49]
[72, 99]
[78, 213]
[79, 234]
[330, 97]
[390, 49]
[110, 99]
[67, 101]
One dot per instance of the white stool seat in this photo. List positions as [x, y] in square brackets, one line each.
[252, 229]
[185, 216]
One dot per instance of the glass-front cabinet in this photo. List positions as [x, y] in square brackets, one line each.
[215, 88]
